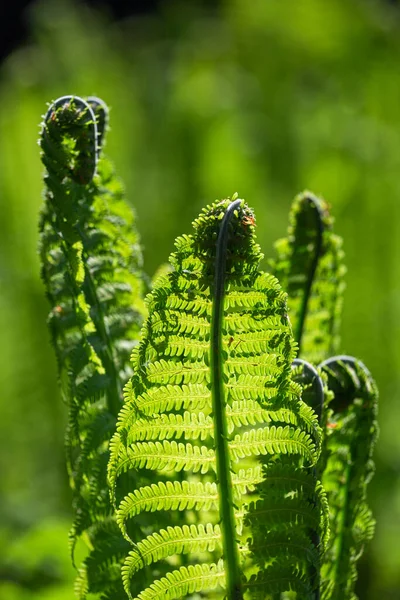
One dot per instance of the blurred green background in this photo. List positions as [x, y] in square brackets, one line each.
[262, 97]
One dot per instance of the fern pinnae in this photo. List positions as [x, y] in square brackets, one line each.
[222, 449]
[186, 580]
[170, 541]
[171, 495]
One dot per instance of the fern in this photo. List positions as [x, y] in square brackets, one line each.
[235, 469]
[91, 267]
[211, 418]
[310, 264]
[310, 268]
[352, 431]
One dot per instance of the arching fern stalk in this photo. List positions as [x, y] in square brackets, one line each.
[91, 267]
[215, 431]
[309, 266]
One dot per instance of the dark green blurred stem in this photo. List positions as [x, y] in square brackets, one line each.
[231, 556]
[319, 226]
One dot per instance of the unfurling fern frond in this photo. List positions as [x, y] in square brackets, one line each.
[91, 267]
[351, 436]
[214, 430]
[309, 266]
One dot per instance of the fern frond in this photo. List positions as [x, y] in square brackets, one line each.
[91, 267]
[209, 414]
[273, 440]
[309, 265]
[168, 542]
[176, 495]
[186, 581]
[351, 435]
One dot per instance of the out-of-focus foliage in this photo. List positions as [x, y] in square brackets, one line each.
[263, 98]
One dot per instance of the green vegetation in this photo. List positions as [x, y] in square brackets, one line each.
[225, 441]
[264, 98]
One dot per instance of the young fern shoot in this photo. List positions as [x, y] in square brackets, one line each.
[211, 404]
[309, 266]
[91, 267]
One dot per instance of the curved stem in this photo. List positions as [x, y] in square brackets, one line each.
[311, 375]
[100, 110]
[350, 361]
[231, 556]
[317, 253]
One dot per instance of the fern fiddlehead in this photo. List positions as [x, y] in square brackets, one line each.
[166, 428]
[310, 268]
[352, 431]
[91, 269]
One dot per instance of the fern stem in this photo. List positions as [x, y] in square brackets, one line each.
[231, 556]
[298, 334]
[114, 396]
[310, 375]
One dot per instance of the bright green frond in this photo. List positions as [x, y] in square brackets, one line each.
[168, 435]
[169, 542]
[171, 495]
[186, 581]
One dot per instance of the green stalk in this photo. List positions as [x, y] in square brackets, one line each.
[307, 292]
[114, 397]
[229, 544]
